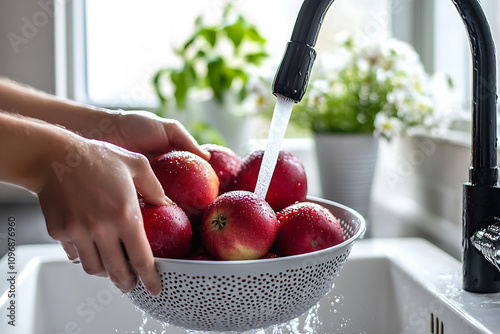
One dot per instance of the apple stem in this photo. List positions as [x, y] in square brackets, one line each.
[219, 222]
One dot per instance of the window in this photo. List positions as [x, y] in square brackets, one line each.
[123, 43]
[451, 52]
[128, 41]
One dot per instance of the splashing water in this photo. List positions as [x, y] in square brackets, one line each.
[279, 122]
[142, 327]
[144, 322]
[312, 321]
[299, 325]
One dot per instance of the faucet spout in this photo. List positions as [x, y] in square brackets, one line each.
[293, 73]
[481, 200]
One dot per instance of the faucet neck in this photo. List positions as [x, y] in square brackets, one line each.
[483, 170]
[309, 21]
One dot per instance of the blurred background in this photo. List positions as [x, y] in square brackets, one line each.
[109, 52]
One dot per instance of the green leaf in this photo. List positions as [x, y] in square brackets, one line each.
[205, 134]
[157, 85]
[187, 45]
[201, 54]
[198, 24]
[243, 93]
[239, 73]
[182, 80]
[219, 77]
[253, 34]
[256, 58]
[235, 32]
[181, 88]
[227, 10]
[210, 35]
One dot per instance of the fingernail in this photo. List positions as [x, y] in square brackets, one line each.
[206, 153]
[167, 201]
[75, 260]
[155, 292]
[124, 289]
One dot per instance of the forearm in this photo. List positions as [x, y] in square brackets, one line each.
[141, 132]
[31, 150]
[26, 101]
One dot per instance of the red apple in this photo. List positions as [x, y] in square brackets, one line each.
[168, 230]
[306, 227]
[288, 184]
[238, 225]
[225, 163]
[188, 180]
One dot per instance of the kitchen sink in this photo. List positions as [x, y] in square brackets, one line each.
[399, 285]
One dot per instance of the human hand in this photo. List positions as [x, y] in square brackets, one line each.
[148, 134]
[90, 204]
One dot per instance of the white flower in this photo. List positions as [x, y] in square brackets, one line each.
[386, 126]
[386, 79]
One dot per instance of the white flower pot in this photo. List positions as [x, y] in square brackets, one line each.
[234, 127]
[347, 165]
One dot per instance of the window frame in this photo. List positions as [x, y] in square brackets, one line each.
[70, 50]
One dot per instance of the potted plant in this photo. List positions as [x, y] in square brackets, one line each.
[364, 90]
[216, 63]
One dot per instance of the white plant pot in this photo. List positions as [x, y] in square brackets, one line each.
[347, 165]
[234, 127]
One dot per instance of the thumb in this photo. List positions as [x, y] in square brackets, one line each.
[150, 188]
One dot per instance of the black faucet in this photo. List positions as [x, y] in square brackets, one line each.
[481, 200]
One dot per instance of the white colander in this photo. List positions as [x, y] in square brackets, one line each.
[243, 295]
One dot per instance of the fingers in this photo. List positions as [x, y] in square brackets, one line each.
[148, 185]
[75, 240]
[90, 257]
[181, 139]
[116, 264]
[101, 253]
[71, 252]
[142, 260]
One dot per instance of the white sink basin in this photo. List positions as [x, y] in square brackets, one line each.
[387, 286]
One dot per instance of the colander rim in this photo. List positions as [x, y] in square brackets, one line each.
[345, 243]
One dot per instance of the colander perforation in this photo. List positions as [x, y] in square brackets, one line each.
[242, 295]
